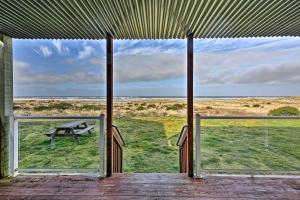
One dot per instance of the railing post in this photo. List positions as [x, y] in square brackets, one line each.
[15, 141]
[102, 147]
[198, 147]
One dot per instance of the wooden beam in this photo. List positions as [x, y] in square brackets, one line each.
[109, 102]
[190, 96]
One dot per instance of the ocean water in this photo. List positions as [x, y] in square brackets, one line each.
[136, 98]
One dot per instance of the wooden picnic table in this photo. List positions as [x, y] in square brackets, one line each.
[75, 129]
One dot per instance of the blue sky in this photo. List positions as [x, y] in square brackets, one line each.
[223, 67]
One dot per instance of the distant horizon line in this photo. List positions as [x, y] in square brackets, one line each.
[157, 96]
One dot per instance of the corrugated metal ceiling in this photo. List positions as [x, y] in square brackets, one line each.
[149, 19]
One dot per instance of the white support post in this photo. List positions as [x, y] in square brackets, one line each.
[6, 106]
[102, 148]
[198, 147]
[16, 147]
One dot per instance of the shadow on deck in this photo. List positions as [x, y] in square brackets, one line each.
[148, 186]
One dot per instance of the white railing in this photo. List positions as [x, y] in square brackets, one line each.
[198, 155]
[15, 162]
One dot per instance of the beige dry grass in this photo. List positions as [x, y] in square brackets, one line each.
[155, 107]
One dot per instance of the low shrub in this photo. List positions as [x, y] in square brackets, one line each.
[209, 107]
[140, 108]
[56, 106]
[60, 106]
[91, 107]
[151, 106]
[246, 105]
[255, 105]
[17, 107]
[176, 106]
[41, 108]
[284, 111]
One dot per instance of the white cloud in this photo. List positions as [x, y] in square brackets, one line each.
[45, 51]
[59, 47]
[86, 52]
[271, 74]
[23, 75]
[246, 67]
[135, 68]
[229, 67]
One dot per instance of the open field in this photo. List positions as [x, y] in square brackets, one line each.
[151, 136]
[155, 107]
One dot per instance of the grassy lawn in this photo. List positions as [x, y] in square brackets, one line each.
[251, 144]
[151, 145]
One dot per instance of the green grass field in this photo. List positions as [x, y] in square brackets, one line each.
[151, 145]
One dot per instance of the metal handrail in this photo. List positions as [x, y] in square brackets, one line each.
[59, 117]
[248, 117]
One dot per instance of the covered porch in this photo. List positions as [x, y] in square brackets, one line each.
[111, 20]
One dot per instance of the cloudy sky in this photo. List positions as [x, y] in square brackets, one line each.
[223, 67]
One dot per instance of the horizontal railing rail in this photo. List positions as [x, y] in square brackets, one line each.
[101, 118]
[248, 117]
[59, 117]
[198, 136]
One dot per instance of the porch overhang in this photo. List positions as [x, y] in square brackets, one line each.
[148, 19]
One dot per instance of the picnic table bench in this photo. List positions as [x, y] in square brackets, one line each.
[75, 129]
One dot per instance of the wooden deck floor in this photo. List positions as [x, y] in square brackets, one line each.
[148, 186]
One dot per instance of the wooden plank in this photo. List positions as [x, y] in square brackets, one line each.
[109, 102]
[148, 186]
[50, 133]
[190, 108]
[82, 131]
[71, 124]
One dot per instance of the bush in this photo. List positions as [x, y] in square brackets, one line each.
[56, 106]
[209, 107]
[91, 107]
[17, 107]
[151, 106]
[40, 108]
[255, 105]
[246, 105]
[140, 108]
[176, 106]
[284, 111]
[62, 106]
